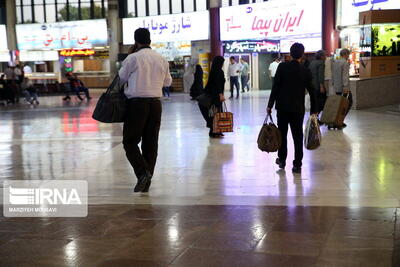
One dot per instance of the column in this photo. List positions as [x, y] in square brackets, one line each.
[216, 47]
[330, 36]
[114, 30]
[11, 22]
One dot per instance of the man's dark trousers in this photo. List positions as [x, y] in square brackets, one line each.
[295, 120]
[234, 82]
[142, 125]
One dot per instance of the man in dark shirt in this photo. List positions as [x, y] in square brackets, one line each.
[288, 93]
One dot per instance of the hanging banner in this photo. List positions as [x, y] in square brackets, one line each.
[59, 35]
[251, 46]
[169, 28]
[273, 20]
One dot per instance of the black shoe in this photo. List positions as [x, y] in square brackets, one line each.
[66, 98]
[296, 169]
[220, 134]
[142, 182]
[282, 165]
[147, 187]
[214, 135]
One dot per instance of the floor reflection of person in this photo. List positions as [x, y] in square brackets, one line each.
[214, 89]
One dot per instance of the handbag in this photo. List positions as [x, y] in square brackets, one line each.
[111, 106]
[205, 100]
[269, 138]
[223, 121]
[312, 136]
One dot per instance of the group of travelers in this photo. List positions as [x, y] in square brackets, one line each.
[236, 70]
[14, 84]
[146, 72]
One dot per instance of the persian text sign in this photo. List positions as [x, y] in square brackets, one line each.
[272, 20]
[70, 34]
[169, 28]
[264, 46]
[45, 198]
[3, 39]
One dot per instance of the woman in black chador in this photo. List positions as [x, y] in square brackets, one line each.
[197, 87]
[215, 90]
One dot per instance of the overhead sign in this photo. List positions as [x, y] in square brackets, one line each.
[60, 35]
[38, 55]
[169, 28]
[278, 20]
[3, 39]
[78, 52]
[262, 46]
[348, 11]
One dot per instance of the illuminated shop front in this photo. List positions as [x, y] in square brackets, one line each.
[48, 47]
[178, 37]
[352, 29]
[258, 32]
[4, 53]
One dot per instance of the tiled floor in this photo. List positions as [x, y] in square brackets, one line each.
[212, 202]
[143, 235]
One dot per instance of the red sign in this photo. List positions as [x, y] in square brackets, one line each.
[80, 52]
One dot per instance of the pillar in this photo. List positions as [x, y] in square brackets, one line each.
[115, 29]
[11, 22]
[215, 42]
[330, 36]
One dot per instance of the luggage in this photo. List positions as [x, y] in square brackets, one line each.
[269, 138]
[312, 135]
[335, 110]
[111, 106]
[223, 121]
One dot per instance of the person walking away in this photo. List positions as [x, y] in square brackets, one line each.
[244, 75]
[197, 86]
[272, 69]
[30, 91]
[341, 78]
[288, 96]
[317, 68]
[146, 72]
[166, 93]
[215, 89]
[233, 72]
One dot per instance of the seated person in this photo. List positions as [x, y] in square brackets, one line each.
[77, 86]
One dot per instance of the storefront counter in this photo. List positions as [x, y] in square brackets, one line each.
[95, 79]
[375, 92]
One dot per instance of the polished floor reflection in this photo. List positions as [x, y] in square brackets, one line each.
[358, 166]
[213, 202]
[206, 236]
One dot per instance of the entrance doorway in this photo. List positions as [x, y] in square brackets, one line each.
[264, 81]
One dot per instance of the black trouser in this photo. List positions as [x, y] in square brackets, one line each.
[295, 120]
[142, 125]
[234, 82]
[350, 97]
[206, 115]
[321, 100]
[244, 79]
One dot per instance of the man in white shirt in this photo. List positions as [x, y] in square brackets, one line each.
[146, 72]
[233, 72]
[272, 69]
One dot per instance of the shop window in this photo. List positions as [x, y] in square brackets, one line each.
[201, 5]
[19, 16]
[131, 9]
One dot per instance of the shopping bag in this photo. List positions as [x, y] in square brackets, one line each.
[111, 106]
[223, 121]
[269, 138]
[312, 135]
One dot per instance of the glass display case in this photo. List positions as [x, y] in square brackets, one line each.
[380, 40]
